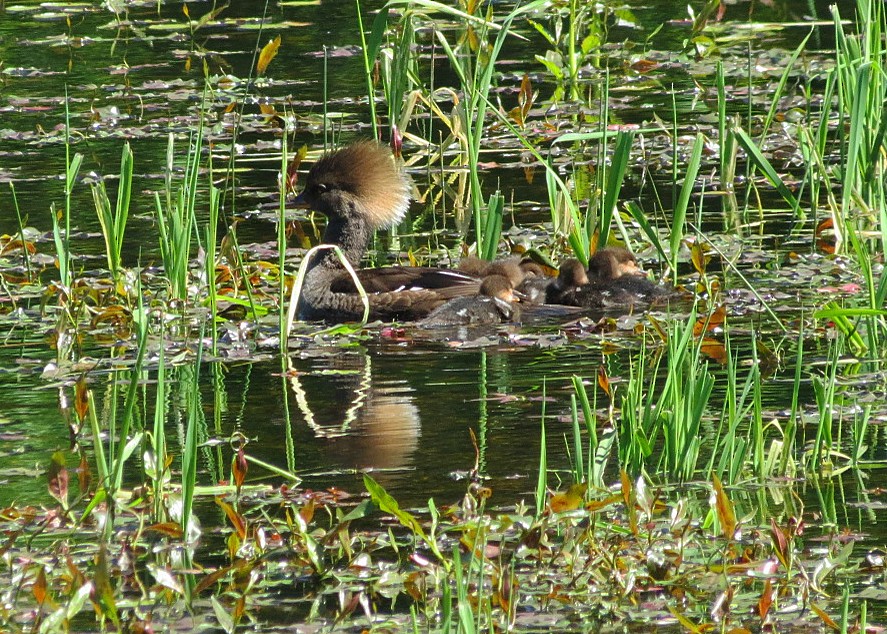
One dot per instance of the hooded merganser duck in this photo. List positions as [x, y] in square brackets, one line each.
[494, 304]
[612, 281]
[360, 189]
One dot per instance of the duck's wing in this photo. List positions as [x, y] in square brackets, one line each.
[444, 283]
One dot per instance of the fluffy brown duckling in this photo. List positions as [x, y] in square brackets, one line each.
[360, 189]
[526, 277]
[612, 281]
[495, 303]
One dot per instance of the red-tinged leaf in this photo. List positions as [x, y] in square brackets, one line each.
[77, 576]
[170, 529]
[603, 380]
[724, 508]
[714, 349]
[58, 479]
[211, 579]
[81, 398]
[529, 173]
[396, 141]
[84, 475]
[292, 170]
[236, 519]
[239, 609]
[829, 622]
[269, 52]
[39, 587]
[307, 511]
[526, 97]
[644, 65]
[239, 468]
[780, 543]
[628, 498]
[826, 243]
[16, 245]
[707, 323]
[766, 600]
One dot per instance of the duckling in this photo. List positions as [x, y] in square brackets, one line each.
[571, 278]
[526, 277]
[495, 304]
[613, 281]
[534, 287]
[360, 189]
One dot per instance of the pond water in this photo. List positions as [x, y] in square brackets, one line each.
[402, 403]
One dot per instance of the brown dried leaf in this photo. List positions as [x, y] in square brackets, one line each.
[766, 599]
[829, 622]
[603, 380]
[239, 468]
[236, 519]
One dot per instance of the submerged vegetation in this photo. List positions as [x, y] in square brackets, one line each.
[705, 467]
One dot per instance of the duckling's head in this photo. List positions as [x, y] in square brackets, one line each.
[571, 274]
[498, 287]
[509, 269]
[612, 263]
[360, 179]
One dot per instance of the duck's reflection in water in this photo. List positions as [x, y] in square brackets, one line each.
[373, 425]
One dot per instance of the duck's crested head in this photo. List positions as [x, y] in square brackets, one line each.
[611, 263]
[361, 179]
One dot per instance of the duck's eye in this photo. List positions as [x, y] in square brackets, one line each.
[319, 188]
